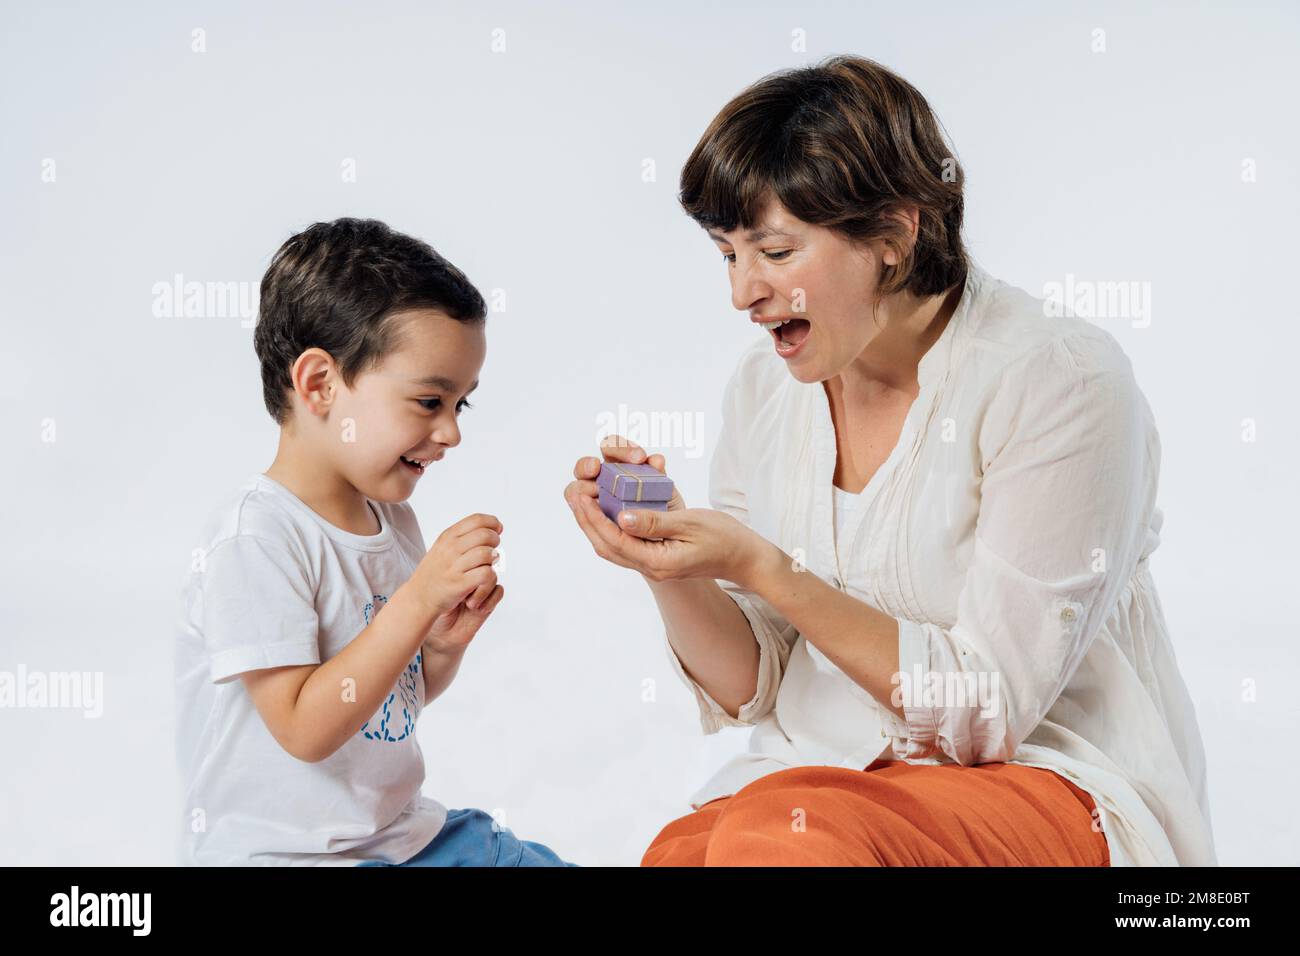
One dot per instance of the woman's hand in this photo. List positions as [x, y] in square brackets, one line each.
[694, 542]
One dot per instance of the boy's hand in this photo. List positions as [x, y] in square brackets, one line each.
[453, 630]
[458, 568]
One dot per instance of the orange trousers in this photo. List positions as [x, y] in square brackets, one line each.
[891, 814]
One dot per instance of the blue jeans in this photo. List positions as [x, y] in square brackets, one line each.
[473, 838]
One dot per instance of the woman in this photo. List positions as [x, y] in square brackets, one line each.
[924, 577]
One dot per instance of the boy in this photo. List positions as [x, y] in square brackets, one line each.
[317, 626]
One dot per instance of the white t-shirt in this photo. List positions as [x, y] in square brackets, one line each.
[275, 584]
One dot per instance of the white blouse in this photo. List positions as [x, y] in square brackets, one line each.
[1009, 533]
[845, 504]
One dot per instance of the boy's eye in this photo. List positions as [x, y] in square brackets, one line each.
[729, 256]
[432, 404]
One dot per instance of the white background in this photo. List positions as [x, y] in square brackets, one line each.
[524, 167]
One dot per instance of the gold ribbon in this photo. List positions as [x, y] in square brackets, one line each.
[639, 479]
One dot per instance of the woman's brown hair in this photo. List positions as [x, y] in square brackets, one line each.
[840, 144]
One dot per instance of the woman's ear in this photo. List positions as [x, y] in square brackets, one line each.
[909, 217]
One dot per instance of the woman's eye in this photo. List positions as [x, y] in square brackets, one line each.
[774, 256]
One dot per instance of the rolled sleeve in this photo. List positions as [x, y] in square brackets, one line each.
[774, 643]
[1071, 460]
[917, 736]
[257, 608]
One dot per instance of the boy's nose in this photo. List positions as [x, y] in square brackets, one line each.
[448, 435]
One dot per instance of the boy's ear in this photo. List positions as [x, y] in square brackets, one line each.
[313, 380]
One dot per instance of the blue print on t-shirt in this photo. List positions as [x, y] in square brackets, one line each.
[378, 727]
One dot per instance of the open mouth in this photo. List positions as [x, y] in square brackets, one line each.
[789, 334]
[416, 465]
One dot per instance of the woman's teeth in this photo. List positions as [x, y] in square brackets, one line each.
[417, 463]
[789, 333]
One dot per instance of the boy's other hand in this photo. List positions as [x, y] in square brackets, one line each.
[458, 567]
[454, 629]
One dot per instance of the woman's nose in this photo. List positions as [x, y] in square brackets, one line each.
[747, 289]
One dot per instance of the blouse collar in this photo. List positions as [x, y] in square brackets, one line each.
[819, 451]
[946, 351]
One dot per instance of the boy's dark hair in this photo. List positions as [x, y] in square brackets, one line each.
[335, 286]
[840, 144]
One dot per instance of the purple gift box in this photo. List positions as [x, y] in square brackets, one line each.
[623, 487]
